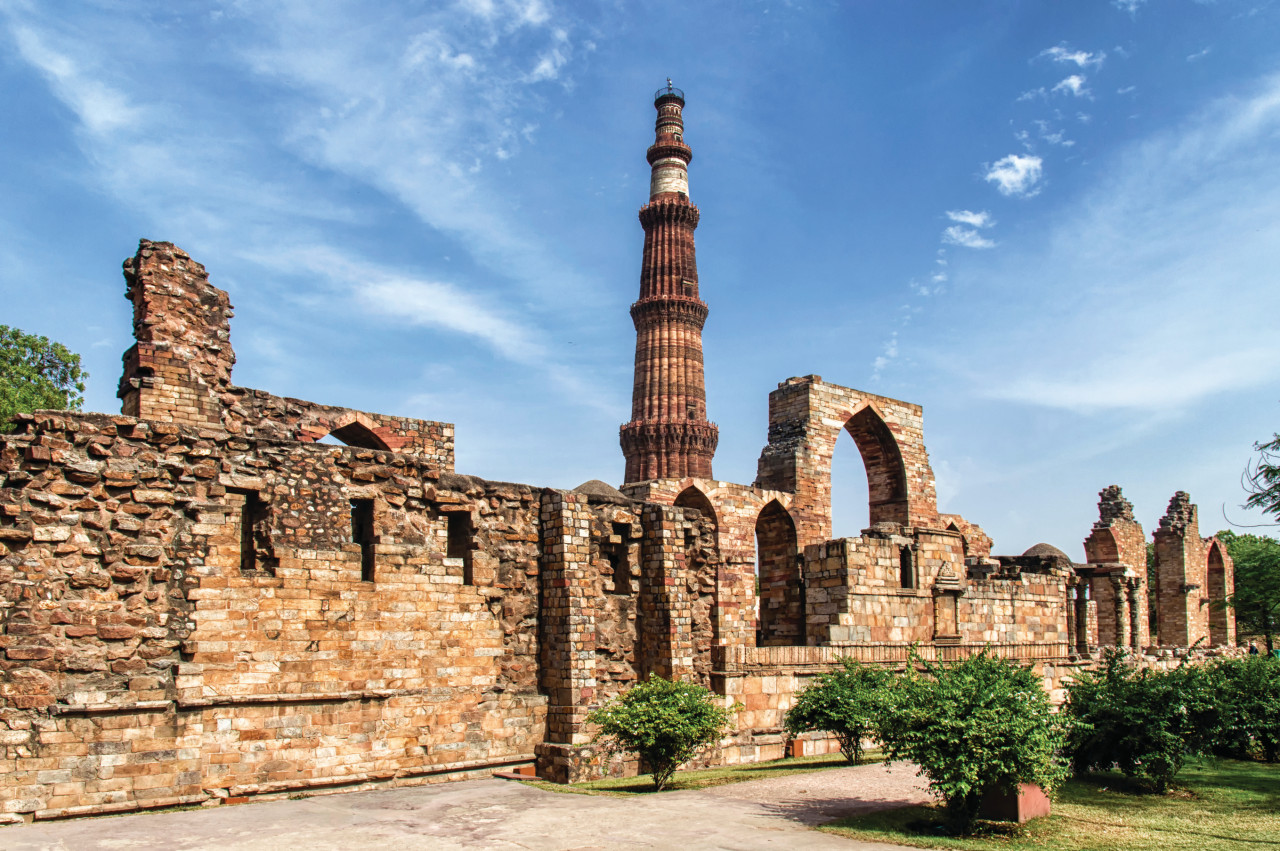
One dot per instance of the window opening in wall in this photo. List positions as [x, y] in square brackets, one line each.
[906, 570]
[615, 552]
[362, 534]
[254, 555]
[458, 544]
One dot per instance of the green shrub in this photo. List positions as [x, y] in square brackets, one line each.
[666, 723]
[1248, 694]
[846, 703]
[1142, 722]
[973, 726]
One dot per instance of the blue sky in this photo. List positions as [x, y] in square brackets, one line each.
[1056, 226]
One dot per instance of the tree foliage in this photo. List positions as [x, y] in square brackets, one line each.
[1143, 722]
[1262, 478]
[36, 373]
[666, 723]
[1247, 692]
[1256, 599]
[973, 726]
[847, 703]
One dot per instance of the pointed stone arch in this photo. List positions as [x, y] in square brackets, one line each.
[806, 416]
[1219, 572]
[352, 428]
[692, 497]
[781, 604]
[882, 458]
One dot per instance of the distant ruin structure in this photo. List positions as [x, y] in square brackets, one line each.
[200, 602]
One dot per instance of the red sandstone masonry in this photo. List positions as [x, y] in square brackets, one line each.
[668, 435]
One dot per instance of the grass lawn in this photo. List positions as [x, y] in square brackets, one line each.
[1215, 804]
[704, 778]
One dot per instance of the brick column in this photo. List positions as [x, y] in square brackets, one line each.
[567, 632]
[1182, 593]
[665, 628]
[181, 364]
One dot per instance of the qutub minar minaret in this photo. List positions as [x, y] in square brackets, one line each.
[669, 436]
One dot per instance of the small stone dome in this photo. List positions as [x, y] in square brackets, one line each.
[595, 487]
[1047, 550]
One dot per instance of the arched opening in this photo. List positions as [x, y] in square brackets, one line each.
[780, 594]
[906, 567]
[691, 497]
[359, 435]
[886, 474]
[850, 512]
[964, 542]
[1217, 593]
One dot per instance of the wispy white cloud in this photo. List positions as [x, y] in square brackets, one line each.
[1073, 85]
[101, 108]
[888, 353]
[411, 299]
[1142, 263]
[1016, 175]
[1200, 54]
[1053, 137]
[966, 237]
[1130, 6]
[965, 232]
[1081, 58]
[968, 217]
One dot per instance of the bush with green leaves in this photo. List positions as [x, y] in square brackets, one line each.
[1143, 722]
[36, 373]
[666, 723]
[1247, 692]
[846, 703]
[973, 726]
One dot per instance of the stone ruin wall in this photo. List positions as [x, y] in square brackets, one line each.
[202, 603]
[147, 664]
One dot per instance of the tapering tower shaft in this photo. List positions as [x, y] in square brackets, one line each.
[669, 435]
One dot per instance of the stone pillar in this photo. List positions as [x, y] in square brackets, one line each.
[1138, 628]
[567, 632]
[1073, 609]
[1182, 592]
[665, 627]
[181, 364]
[1121, 602]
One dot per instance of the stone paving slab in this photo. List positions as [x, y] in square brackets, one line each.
[498, 814]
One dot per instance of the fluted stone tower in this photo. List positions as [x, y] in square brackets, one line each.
[669, 436]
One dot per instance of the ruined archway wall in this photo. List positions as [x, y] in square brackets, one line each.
[1181, 580]
[737, 507]
[805, 418]
[1221, 572]
[1116, 551]
[179, 370]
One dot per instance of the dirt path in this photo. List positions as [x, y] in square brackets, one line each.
[497, 814]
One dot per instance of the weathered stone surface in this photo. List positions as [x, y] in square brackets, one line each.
[199, 602]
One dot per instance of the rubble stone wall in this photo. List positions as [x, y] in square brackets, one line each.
[155, 654]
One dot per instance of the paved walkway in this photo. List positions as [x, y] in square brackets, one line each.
[499, 814]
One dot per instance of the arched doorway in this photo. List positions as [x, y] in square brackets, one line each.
[780, 585]
[850, 500]
[1219, 633]
[886, 473]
